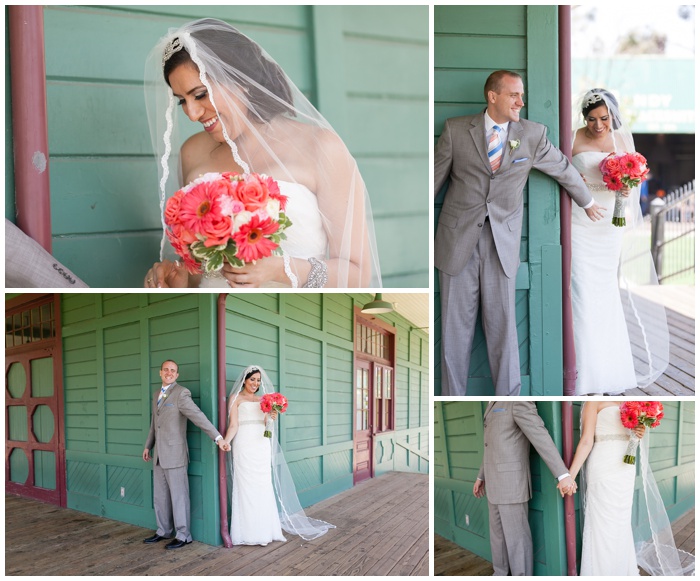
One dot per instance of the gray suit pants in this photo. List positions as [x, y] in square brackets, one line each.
[481, 282]
[511, 539]
[171, 499]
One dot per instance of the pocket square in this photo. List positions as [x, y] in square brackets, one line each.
[498, 410]
[168, 405]
[520, 159]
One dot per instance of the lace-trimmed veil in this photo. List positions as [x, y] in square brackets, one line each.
[646, 321]
[292, 516]
[270, 128]
[655, 546]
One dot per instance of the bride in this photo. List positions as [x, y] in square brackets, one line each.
[621, 340]
[608, 495]
[254, 119]
[263, 496]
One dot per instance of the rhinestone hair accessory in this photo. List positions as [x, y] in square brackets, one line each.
[592, 98]
[171, 48]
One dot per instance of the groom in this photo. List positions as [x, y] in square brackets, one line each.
[488, 158]
[172, 407]
[509, 429]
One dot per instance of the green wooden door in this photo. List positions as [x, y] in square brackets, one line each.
[366, 63]
[470, 43]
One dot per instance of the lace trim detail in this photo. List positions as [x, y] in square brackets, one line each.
[192, 49]
[288, 271]
[597, 187]
[609, 437]
[164, 164]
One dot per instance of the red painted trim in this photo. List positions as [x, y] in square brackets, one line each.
[567, 428]
[30, 122]
[60, 409]
[223, 419]
[565, 142]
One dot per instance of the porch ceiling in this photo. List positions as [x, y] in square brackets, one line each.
[413, 306]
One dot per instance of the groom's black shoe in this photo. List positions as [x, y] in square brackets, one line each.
[176, 544]
[154, 539]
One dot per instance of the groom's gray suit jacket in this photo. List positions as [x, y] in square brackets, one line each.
[168, 432]
[509, 429]
[474, 192]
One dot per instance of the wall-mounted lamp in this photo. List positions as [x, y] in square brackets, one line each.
[378, 306]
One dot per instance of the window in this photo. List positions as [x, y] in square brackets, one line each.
[30, 326]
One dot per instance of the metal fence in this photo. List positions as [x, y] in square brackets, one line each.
[673, 235]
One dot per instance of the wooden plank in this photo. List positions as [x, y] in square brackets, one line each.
[382, 526]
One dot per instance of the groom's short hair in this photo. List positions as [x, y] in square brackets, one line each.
[493, 83]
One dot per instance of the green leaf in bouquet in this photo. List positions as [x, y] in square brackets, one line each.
[215, 262]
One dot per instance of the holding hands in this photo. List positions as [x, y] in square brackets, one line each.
[567, 486]
[223, 445]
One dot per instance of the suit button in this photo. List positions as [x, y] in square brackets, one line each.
[488, 201]
[479, 224]
[485, 444]
[493, 176]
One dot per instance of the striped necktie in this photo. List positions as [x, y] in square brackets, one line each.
[495, 149]
[162, 394]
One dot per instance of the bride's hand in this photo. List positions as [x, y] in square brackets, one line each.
[273, 414]
[270, 269]
[166, 274]
[639, 430]
[625, 191]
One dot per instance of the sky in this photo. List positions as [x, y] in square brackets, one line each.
[598, 27]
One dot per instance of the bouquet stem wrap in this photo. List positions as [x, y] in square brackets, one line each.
[630, 456]
[618, 218]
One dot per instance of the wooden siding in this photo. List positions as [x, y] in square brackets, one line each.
[305, 343]
[353, 62]
[470, 43]
[458, 436]
[113, 348]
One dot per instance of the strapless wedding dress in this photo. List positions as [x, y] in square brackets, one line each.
[254, 515]
[306, 237]
[603, 351]
[608, 542]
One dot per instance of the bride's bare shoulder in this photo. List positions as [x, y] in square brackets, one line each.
[578, 139]
[195, 150]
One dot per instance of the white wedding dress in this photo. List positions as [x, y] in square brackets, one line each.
[306, 237]
[608, 542]
[254, 514]
[603, 351]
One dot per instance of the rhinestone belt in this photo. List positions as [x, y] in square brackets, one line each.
[597, 187]
[606, 437]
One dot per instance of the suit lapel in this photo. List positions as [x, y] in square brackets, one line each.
[478, 133]
[489, 407]
[515, 130]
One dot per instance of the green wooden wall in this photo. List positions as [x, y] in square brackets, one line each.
[114, 344]
[470, 43]
[459, 441]
[305, 343]
[365, 67]
[459, 444]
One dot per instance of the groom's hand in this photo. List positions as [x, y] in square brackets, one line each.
[595, 212]
[479, 489]
[146, 455]
[567, 486]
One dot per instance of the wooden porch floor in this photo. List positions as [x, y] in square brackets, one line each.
[451, 559]
[679, 377]
[382, 530]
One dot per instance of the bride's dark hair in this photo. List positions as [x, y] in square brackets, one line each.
[261, 79]
[604, 97]
[251, 373]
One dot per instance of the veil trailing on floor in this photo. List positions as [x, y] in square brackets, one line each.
[655, 546]
[292, 517]
[269, 127]
[646, 320]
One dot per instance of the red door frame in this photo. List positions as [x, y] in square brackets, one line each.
[362, 440]
[385, 328]
[24, 354]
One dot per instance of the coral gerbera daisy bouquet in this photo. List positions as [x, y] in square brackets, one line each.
[237, 218]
